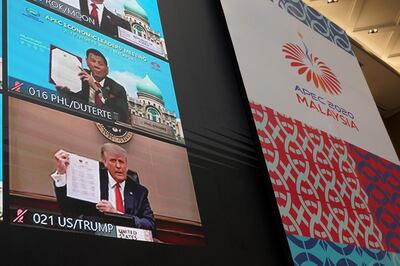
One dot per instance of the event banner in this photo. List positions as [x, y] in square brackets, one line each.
[62, 63]
[136, 22]
[334, 171]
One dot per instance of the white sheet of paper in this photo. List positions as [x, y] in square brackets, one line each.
[83, 179]
[65, 68]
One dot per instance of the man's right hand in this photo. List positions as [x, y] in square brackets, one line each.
[85, 76]
[62, 89]
[62, 161]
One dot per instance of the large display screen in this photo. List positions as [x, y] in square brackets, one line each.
[60, 61]
[135, 22]
[96, 144]
[331, 163]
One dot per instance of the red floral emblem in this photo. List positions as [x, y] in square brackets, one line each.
[312, 67]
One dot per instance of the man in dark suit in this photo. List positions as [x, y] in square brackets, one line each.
[119, 194]
[102, 18]
[98, 89]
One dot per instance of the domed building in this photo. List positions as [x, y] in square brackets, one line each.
[148, 112]
[140, 25]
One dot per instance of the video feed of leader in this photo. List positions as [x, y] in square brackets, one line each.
[68, 174]
[135, 22]
[56, 61]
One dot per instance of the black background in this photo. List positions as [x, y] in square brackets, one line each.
[235, 198]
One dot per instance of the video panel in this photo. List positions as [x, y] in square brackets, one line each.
[96, 144]
[62, 63]
[64, 174]
[136, 22]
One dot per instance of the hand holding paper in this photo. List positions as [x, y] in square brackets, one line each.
[62, 161]
[83, 179]
[65, 70]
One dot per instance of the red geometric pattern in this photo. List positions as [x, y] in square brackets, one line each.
[381, 181]
[316, 183]
[312, 67]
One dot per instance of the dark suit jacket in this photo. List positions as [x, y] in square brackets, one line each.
[113, 93]
[109, 22]
[136, 202]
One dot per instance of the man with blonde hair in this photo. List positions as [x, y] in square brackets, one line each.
[119, 194]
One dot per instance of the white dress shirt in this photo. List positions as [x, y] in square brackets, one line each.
[100, 9]
[111, 190]
[60, 180]
[92, 92]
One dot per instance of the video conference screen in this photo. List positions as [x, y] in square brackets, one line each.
[96, 144]
[73, 63]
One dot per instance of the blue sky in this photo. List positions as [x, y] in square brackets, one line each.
[29, 52]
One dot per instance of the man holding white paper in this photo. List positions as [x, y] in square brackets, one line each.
[118, 194]
[94, 85]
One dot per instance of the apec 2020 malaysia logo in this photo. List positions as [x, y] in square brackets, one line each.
[320, 76]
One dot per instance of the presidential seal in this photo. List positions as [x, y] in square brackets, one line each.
[115, 134]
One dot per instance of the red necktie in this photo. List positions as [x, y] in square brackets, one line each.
[94, 14]
[97, 98]
[118, 198]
